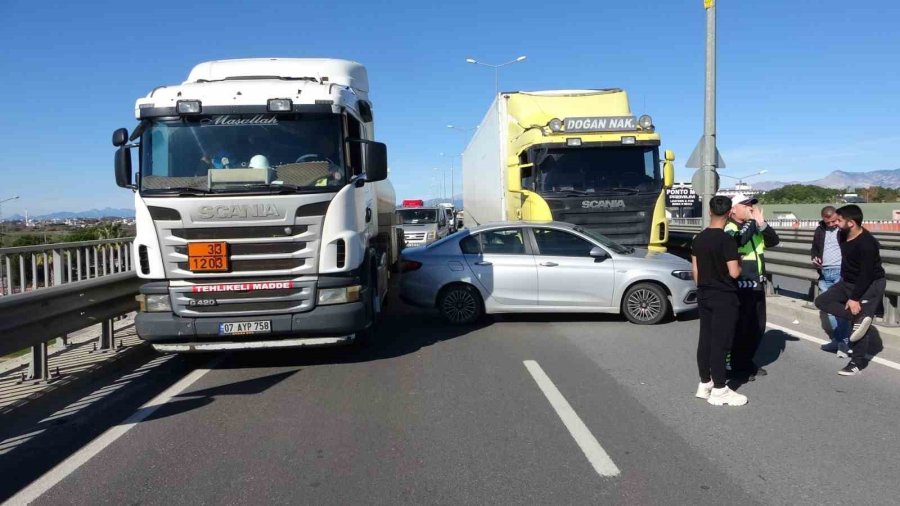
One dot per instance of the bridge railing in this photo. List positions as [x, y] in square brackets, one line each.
[791, 259]
[29, 268]
[51, 290]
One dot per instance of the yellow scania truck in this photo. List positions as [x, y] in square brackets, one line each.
[578, 156]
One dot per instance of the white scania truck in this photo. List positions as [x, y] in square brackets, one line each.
[264, 217]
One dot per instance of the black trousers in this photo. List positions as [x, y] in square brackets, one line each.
[718, 318]
[751, 326]
[834, 300]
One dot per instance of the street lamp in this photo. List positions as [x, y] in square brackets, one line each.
[740, 179]
[452, 182]
[496, 68]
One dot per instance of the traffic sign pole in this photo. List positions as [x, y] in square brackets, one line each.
[709, 154]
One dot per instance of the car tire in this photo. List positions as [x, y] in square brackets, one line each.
[645, 304]
[460, 304]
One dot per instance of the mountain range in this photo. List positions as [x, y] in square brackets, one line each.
[842, 179]
[106, 212]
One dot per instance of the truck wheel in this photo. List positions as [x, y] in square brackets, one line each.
[645, 304]
[373, 308]
[460, 304]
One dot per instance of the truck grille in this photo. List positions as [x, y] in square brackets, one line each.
[629, 228]
[414, 236]
[254, 250]
[296, 299]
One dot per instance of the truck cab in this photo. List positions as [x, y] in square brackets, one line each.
[263, 212]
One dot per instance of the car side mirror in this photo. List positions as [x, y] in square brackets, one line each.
[120, 137]
[599, 254]
[123, 167]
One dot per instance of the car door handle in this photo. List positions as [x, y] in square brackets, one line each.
[484, 263]
[549, 264]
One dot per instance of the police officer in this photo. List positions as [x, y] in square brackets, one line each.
[753, 235]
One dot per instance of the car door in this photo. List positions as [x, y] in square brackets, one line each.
[504, 266]
[567, 274]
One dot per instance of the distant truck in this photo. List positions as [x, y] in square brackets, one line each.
[450, 212]
[577, 156]
[264, 217]
[422, 225]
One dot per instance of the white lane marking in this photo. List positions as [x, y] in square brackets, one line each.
[82, 456]
[819, 340]
[595, 453]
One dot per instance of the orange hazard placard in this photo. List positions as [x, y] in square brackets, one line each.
[208, 257]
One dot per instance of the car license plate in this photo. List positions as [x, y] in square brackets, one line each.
[208, 257]
[237, 328]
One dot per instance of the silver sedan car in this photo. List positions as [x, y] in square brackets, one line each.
[519, 267]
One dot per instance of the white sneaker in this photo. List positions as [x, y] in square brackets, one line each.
[703, 390]
[860, 327]
[726, 397]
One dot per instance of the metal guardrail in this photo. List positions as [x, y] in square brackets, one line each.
[50, 290]
[791, 259]
[29, 268]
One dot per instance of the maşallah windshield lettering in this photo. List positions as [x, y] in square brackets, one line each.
[259, 119]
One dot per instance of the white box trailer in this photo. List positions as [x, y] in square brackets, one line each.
[484, 185]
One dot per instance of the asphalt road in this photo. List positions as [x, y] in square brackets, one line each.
[428, 414]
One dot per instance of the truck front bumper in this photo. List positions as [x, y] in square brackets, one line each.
[321, 326]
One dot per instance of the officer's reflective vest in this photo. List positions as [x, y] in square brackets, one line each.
[751, 252]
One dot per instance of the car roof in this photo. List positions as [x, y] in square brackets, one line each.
[507, 224]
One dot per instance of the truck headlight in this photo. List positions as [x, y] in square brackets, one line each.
[340, 295]
[645, 122]
[154, 303]
[555, 124]
[430, 236]
[685, 275]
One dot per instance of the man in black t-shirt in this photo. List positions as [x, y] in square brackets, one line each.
[857, 295]
[716, 265]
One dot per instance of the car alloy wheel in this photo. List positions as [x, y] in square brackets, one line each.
[460, 305]
[645, 304]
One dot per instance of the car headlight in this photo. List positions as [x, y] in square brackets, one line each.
[154, 303]
[340, 295]
[685, 275]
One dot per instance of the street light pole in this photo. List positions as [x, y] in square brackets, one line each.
[496, 69]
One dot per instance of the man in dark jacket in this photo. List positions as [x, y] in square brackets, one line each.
[753, 235]
[826, 258]
[859, 292]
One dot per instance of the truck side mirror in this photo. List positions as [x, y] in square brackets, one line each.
[669, 169]
[123, 167]
[514, 178]
[120, 137]
[374, 155]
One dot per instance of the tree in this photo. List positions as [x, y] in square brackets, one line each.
[800, 194]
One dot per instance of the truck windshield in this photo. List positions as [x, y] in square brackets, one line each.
[243, 153]
[597, 170]
[417, 216]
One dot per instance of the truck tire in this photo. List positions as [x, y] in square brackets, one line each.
[374, 308]
[645, 304]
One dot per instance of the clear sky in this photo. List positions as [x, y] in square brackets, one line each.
[805, 87]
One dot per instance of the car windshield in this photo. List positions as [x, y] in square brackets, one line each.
[417, 216]
[234, 153]
[605, 241]
[597, 170]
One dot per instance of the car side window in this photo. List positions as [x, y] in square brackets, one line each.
[506, 241]
[470, 245]
[560, 243]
